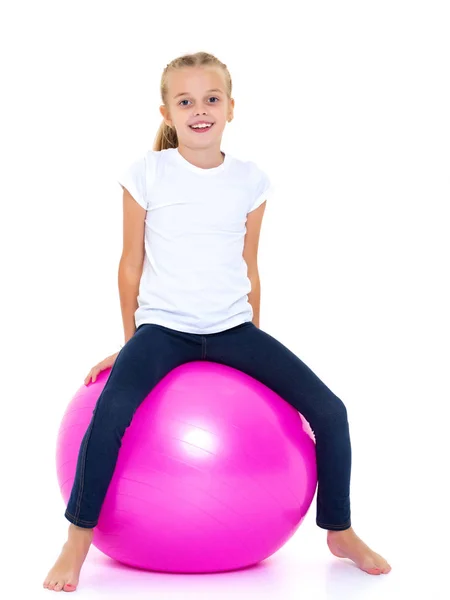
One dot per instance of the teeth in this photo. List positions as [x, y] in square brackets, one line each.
[200, 126]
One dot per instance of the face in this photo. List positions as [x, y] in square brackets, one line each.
[197, 94]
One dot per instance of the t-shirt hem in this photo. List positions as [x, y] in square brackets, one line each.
[186, 329]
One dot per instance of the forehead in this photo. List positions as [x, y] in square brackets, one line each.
[195, 80]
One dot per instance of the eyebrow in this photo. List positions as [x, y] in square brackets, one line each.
[207, 91]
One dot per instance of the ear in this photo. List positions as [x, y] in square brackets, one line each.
[231, 111]
[165, 115]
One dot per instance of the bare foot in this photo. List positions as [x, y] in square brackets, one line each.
[346, 544]
[66, 571]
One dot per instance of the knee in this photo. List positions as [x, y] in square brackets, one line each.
[333, 412]
[339, 408]
[112, 410]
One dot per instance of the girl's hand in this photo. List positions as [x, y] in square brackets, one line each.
[102, 366]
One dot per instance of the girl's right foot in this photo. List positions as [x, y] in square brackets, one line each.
[65, 573]
[346, 544]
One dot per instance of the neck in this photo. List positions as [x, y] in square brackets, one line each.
[205, 158]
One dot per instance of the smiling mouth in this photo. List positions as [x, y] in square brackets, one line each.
[201, 129]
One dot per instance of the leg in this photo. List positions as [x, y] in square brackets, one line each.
[256, 353]
[147, 357]
[264, 358]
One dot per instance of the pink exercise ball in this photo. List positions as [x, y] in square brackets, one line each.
[216, 472]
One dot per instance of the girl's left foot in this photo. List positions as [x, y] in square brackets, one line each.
[346, 544]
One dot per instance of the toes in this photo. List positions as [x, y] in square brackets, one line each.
[378, 570]
[56, 586]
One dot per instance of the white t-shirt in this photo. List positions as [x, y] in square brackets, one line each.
[194, 277]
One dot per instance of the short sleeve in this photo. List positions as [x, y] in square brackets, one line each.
[262, 189]
[134, 179]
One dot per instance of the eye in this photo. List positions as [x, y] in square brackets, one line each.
[185, 100]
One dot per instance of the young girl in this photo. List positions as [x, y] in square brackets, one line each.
[190, 290]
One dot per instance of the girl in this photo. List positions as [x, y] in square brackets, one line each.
[190, 290]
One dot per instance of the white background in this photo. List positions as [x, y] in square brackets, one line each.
[346, 106]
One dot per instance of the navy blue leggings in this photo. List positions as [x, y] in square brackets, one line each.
[154, 351]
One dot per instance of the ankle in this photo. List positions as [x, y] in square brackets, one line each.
[340, 532]
[79, 533]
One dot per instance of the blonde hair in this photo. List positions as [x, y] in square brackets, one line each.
[166, 136]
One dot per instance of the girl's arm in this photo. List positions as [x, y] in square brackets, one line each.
[131, 261]
[255, 298]
[250, 254]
